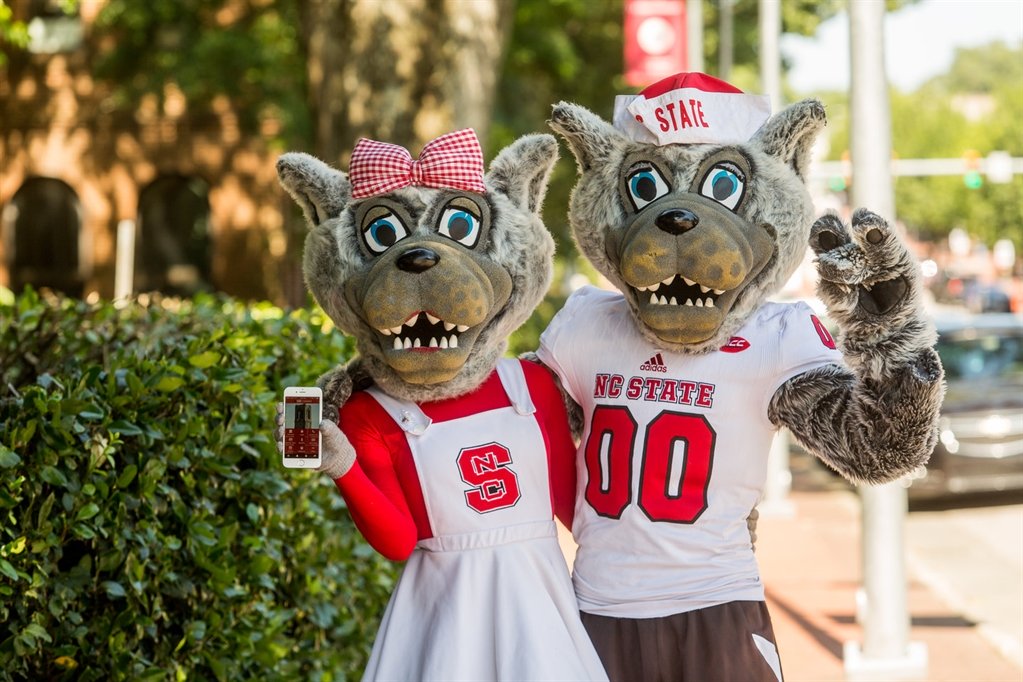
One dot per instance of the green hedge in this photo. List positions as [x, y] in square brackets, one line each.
[147, 528]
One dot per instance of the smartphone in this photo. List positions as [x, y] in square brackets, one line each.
[303, 406]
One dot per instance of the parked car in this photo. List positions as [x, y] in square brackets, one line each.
[980, 444]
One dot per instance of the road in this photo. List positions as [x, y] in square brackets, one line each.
[972, 558]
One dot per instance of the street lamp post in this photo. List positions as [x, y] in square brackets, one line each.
[886, 652]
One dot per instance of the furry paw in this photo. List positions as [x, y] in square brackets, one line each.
[865, 270]
[337, 389]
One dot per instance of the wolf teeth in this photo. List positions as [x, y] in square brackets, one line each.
[699, 303]
[668, 281]
[448, 326]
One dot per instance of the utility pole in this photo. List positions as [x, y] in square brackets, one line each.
[776, 500]
[725, 35]
[769, 20]
[886, 652]
[694, 35]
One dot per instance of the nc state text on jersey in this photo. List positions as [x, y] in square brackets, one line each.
[654, 389]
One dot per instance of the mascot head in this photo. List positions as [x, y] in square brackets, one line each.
[694, 203]
[428, 263]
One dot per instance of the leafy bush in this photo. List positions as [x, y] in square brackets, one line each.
[147, 528]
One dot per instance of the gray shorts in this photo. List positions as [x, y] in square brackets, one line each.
[731, 642]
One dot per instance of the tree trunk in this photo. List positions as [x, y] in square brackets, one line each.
[401, 71]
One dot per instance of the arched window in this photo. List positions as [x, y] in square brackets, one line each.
[42, 227]
[172, 249]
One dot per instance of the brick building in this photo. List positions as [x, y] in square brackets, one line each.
[207, 210]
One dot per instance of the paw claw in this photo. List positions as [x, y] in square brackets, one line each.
[827, 234]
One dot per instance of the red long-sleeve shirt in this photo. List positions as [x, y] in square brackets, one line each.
[382, 489]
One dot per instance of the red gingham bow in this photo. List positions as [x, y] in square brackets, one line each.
[454, 160]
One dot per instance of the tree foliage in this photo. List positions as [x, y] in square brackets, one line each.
[247, 52]
[13, 33]
[974, 108]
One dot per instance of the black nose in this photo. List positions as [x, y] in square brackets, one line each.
[418, 259]
[677, 221]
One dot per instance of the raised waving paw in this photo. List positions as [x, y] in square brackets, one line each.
[872, 287]
[866, 271]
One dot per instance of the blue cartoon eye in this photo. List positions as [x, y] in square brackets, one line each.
[725, 184]
[460, 225]
[383, 233]
[646, 185]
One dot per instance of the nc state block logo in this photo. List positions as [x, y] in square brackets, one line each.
[736, 344]
[487, 469]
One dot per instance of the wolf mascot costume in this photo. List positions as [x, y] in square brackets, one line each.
[694, 205]
[455, 460]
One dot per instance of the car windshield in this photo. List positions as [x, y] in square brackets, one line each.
[982, 354]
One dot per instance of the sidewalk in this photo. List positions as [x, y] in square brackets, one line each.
[810, 563]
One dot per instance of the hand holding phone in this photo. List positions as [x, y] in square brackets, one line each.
[303, 410]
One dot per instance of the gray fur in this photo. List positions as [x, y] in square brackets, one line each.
[517, 244]
[873, 420]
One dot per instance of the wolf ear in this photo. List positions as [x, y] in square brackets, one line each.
[321, 191]
[589, 136]
[789, 135]
[522, 169]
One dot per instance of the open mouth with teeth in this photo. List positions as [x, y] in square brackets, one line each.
[424, 332]
[679, 290]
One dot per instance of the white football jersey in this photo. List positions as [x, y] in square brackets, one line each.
[674, 451]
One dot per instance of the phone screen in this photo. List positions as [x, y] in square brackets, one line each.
[301, 427]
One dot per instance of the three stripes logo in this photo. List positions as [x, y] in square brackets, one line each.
[654, 364]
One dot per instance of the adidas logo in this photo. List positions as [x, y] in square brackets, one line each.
[654, 364]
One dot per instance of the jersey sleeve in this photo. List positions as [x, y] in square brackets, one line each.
[804, 343]
[371, 487]
[551, 412]
[558, 342]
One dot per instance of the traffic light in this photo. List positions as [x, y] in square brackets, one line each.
[840, 183]
[972, 178]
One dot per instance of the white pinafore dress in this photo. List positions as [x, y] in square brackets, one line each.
[488, 597]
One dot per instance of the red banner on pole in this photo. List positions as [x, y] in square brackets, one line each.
[655, 40]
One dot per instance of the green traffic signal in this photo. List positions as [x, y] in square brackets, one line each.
[836, 184]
